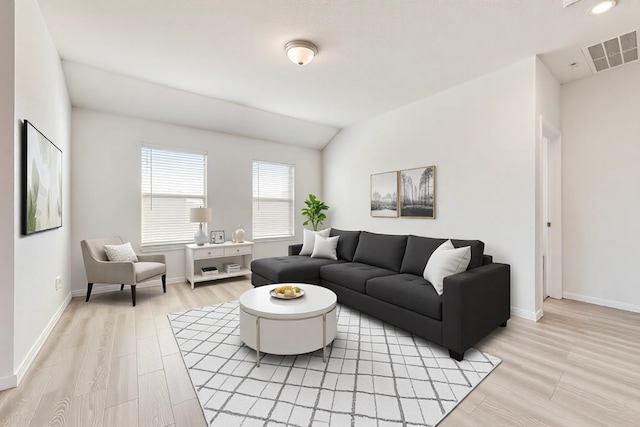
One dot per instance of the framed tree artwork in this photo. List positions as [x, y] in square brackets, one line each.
[384, 195]
[417, 192]
[42, 182]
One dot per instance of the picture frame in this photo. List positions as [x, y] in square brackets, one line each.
[417, 189]
[216, 237]
[41, 182]
[384, 195]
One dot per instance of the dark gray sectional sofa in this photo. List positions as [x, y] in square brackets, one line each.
[381, 275]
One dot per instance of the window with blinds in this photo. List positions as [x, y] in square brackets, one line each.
[173, 182]
[273, 207]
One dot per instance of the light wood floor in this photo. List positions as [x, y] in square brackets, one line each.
[109, 364]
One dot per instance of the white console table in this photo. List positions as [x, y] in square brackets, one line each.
[216, 255]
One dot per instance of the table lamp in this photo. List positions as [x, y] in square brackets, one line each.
[201, 215]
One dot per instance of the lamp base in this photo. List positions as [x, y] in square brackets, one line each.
[200, 237]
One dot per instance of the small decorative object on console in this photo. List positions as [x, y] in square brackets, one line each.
[239, 235]
[209, 271]
[231, 268]
[217, 237]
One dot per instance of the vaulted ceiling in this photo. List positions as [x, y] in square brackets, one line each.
[221, 65]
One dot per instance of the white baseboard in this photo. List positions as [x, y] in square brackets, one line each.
[598, 301]
[103, 289]
[8, 382]
[24, 366]
[526, 314]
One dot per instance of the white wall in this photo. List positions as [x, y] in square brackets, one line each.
[601, 200]
[481, 137]
[40, 97]
[106, 181]
[7, 184]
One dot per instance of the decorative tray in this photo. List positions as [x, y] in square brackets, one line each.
[295, 295]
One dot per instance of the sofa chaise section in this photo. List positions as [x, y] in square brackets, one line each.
[294, 268]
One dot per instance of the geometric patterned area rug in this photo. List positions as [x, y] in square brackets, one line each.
[375, 375]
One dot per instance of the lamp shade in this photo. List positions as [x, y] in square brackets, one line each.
[301, 52]
[200, 215]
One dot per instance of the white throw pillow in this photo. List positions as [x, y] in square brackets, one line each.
[446, 261]
[309, 238]
[325, 247]
[122, 252]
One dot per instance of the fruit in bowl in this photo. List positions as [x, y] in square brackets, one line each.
[287, 291]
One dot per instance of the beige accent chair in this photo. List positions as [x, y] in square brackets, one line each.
[100, 270]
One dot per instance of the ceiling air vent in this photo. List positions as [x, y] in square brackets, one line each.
[612, 53]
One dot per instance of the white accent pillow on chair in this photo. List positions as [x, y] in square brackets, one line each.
[446, 261]
[309, 239]
[120, 253]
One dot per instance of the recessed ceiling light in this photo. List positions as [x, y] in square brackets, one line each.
[602, 7]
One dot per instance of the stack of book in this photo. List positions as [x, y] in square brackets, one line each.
[209, 271]
[232, 268]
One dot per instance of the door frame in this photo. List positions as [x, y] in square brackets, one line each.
[551, 182]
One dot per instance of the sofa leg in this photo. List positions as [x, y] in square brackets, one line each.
[164, 283]
[133, 294]
[455, 355]
[89, 287]
[121, 287]
[504, 325]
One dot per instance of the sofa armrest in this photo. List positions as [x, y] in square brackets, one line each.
[474, 303]
[152, 258]
[295, 249]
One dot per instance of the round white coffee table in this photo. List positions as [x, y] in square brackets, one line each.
[292, 326]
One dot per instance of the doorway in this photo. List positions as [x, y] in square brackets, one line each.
[551, 238]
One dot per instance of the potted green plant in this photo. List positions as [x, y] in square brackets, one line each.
[313, 212]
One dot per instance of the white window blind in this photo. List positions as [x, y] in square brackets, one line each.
[173, 182]
[273, 202]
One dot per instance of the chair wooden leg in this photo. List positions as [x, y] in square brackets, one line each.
[164, 283]
[133, 294]
[122, 287]
[89, 287]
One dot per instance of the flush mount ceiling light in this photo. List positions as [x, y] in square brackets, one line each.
[602, 7]
[301, 52]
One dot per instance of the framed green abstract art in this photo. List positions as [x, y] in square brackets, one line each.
[42, 182]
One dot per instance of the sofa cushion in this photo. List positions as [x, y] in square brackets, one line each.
[407, 291]
[296, 268]
[352, 275]
[446, 261]
[309, 239]
[381, 250]
[325, 247]
[477, 250]
[347, 243]
[419, 249]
